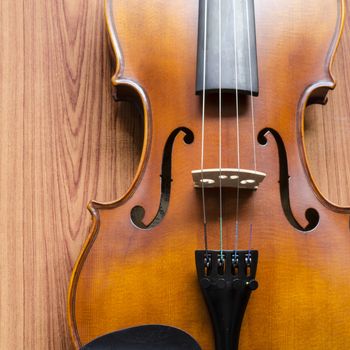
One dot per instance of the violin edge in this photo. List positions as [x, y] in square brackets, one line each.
[113, 41]
[128, 90]
[94, 228]
[317, 93]
[132, 91]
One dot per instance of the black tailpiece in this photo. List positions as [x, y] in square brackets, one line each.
[227, 281]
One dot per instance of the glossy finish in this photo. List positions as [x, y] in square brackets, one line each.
[126, 276]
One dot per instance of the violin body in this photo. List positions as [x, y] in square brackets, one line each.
[138, 267]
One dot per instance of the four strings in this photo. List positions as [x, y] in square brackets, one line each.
[236, 238]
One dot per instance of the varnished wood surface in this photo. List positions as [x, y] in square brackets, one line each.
[117, 247]
[62, 144]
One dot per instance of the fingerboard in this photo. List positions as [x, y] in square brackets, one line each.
[238, 47]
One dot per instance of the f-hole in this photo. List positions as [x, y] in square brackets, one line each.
[137, 213]
[311, 214]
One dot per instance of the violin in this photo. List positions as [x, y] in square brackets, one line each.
[223, 240]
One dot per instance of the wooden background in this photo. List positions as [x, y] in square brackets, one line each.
[62, 144]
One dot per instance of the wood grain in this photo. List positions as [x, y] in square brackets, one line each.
[327, 130]
[62, 143]
[59, 140]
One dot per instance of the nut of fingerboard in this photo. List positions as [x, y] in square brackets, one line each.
[211, 178]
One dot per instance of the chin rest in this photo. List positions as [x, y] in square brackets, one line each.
[150, 337]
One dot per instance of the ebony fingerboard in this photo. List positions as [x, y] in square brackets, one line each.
[244, 50]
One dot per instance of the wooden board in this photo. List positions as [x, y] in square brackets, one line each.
[62, 143]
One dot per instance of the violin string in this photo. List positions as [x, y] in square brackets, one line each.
[220, 133]
[251, 88]
[253, 127]
[203, 127]
[237, 131]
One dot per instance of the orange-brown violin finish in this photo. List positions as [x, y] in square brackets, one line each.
[127, 276]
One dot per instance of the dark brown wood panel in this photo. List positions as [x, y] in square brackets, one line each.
[62, 144]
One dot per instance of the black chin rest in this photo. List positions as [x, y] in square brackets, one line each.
[152, 337]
